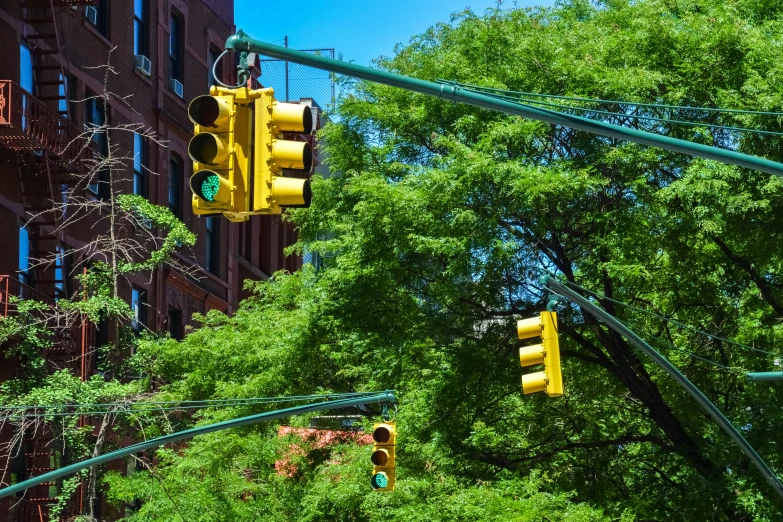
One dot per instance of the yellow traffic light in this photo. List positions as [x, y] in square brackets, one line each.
[384, 441]
[547, 353]
[271, 190]
[220, 150]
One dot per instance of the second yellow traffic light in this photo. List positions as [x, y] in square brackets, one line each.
[384, 443]
[547, 353]
[271, 190]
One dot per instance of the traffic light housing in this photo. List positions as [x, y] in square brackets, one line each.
[271, 190]
[220, 151]
[384, 440]
[547, 353]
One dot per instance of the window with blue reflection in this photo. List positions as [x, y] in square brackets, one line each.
[139, 162]
[24, 256]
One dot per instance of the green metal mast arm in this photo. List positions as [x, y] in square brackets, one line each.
[383, 397]
[242, 42]
[764, 376]
[612, 322]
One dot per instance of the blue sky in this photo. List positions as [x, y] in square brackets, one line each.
[359, 29]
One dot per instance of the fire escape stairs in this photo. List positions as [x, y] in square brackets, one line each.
[40, 194]
[42, 179]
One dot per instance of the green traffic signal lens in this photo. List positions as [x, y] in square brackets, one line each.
[379, 481]
[210, 186]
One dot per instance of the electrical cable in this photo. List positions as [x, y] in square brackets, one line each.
[673, 321]
[143, 407]
[215, 76]
[617, 102]
[289, 398]
[637, 117]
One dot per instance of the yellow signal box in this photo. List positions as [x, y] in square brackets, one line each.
[384, 438]
[271, 190]
[547, 353]
[220, 150]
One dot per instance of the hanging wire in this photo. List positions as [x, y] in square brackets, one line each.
[217, 79]
[637, 117]
[667, 344]
[617, 102]
[144, 407]
[660, 341]
[673, 321]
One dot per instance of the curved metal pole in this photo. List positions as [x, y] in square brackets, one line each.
[242, 42]
[382, 397]
[612, 322]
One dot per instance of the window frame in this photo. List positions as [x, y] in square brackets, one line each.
[212, 245]
[176, 326]
[176, 46]
[140, 158]
[25, 276]
[92, 107]
[212, 56]
[138, 308]
[140, 29]
[175, 185]
[102, 24]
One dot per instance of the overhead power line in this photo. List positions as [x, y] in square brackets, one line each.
[616, 102]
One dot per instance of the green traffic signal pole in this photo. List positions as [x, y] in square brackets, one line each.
[764, 376]
[242, 43]
[386, 397]
[612, 322]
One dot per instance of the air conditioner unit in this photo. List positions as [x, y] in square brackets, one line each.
[176, 86]
[91, 14]
[143, 64]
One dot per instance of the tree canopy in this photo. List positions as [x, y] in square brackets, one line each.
[433, 228]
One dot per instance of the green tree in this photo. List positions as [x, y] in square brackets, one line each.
[436, 228]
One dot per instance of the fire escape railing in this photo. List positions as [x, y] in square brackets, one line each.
[12, 289]
[27, 124]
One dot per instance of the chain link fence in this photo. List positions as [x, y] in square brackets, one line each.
[292, 81]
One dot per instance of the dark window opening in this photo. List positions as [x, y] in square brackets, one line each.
[176, 329]
[95, 124]
[175, 186]
[211, 59]
[102, 20]
[213, 245]
[176, 44]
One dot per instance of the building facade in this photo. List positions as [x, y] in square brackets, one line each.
[54, 81]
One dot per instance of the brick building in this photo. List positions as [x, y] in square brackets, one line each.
[163, 52]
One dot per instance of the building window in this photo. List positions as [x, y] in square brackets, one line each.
[212, 57]
[140, 8]
[175, 189]
[25, 68]
[25, 78]
[102, 18]
[24, 256]
[213, 244]
[95, 121]
[59, 272]
[139, 164]
[175, 324]
[176, 43]
[138, 309]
